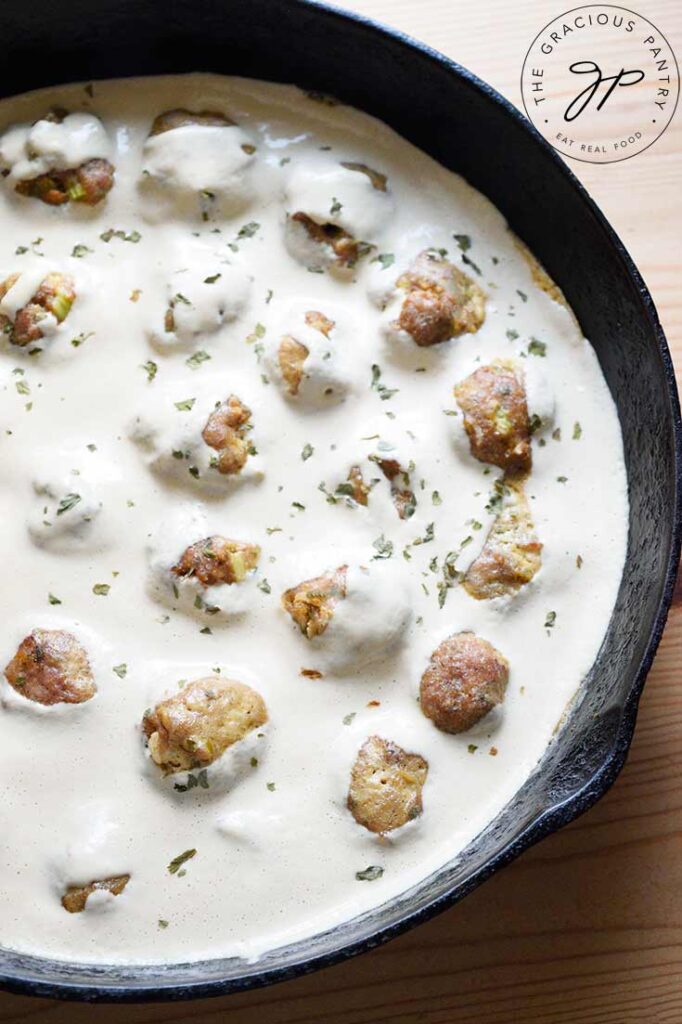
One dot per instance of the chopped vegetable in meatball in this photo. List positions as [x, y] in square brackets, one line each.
[195, 726]
[217, 560]
[226, 431]
[401, 491]
[55, 297]
[441, 302]
[292, 354]
[493, 401]
[466, 678]
[511, 554]
[311, 604]
[181, 118]
[76, 896]
[386, 785]
[51, 667]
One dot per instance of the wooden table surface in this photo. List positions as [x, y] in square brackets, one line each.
[585, 928]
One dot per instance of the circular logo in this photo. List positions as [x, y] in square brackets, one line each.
[601, 83]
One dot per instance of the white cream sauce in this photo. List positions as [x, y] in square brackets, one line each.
[277, 850]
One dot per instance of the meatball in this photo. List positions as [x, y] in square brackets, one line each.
[441, 302]
[511, 554]
[196, 163]
[226, 431]
[465, 679]
[199, 299]
[386, 785]
[87, 183]
[493, 401]
[76, 896]
[403, 496]
[309, 354]
[337, 244]
[180, 118]
[196, 726]
[51, 667]
[292, 354]
[335, 208]
[217, 560]
[311, 604]
[55, 297]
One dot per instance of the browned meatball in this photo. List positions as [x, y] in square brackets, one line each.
[493, 400]
[55, 295]
[51, 667]
[88, 183]
[339, 244]
[180, 118]
[386, 785]
[292, 354]
[226, 431]
[216, 560]
[441, 303]
[401, 491]
[76, 896]
[511, 555]
[198, 724]
[466, 678]
[311, 604]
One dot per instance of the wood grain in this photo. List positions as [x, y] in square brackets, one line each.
[587, 927]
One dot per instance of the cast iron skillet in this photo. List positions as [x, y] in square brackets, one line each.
[470, 128]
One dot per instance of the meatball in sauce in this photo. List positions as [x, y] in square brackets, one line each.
[51, 667]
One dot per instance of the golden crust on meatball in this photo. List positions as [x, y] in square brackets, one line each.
[493, 401]
[216, 560]
[511, 555]
[76, 896]
[291, 357]
[51, 667]
[311, 604]
[195, 726]
[441, 302]
[181, 118]
[292, 354]
[386, 785]
[55, 295]
[465, 679]
[226, 431]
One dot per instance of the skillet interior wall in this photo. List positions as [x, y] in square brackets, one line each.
[469, 132]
